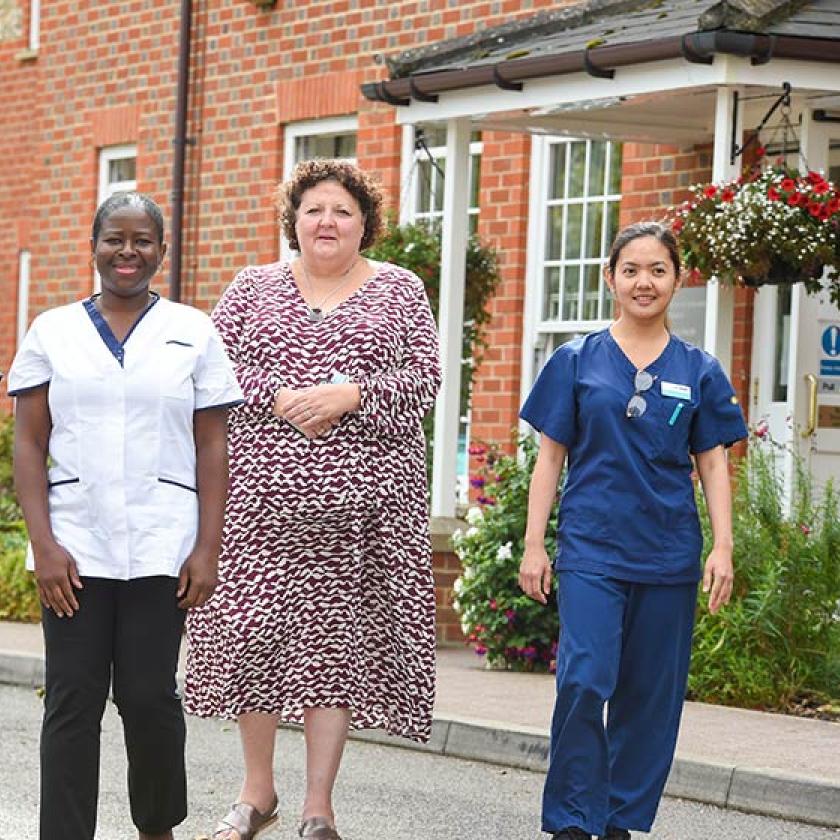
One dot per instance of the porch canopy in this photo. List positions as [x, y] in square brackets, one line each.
[664, 71]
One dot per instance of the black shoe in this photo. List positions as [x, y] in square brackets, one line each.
[571, 833]
[615, 834]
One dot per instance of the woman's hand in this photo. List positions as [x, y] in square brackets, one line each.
[198, 578]
[317, 409]
[718, 577]
[535, 573]
[56, 576]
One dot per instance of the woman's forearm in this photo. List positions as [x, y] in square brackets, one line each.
[543, 490]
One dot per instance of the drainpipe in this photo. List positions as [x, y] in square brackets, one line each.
[180, 143]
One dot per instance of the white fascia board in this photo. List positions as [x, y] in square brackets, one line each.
[653, 77]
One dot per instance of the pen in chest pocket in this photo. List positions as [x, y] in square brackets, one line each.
[675, 414]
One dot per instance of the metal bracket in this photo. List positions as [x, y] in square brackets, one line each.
[390, 98]
[594, 70]
[503, 83]
[735, 149]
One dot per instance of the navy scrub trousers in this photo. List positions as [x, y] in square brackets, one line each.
[132, 628]
[627, 645]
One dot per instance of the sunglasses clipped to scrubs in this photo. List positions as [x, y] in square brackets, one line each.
[637, 404]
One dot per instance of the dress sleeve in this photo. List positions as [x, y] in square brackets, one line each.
[31, 366]
[551, 406]
[230, 316]
[214, 379]
[394, 403]
[718, 418]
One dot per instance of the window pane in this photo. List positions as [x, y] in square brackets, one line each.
[551, 294]
[424, 184]
[607, 301]
[574, 221]
[597, 167]
[438, 181]
[345, 146]
[594, 222]
[591, 292]
[557, 176]
[475, 179]
[122, 169]
[325, 146]
[554, 234]
[577, 165]
[612, 225]
[571, 293]
[615, 168]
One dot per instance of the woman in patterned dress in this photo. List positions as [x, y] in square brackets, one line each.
[324, 612]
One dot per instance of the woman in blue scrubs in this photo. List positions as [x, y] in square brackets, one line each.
[627, 406]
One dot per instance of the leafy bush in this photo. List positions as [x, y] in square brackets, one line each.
[500, 621]
[18, 595]
[777, 644]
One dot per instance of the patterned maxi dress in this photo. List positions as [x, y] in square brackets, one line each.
[325, 594]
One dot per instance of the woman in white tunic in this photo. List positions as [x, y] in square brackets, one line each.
[121, 472]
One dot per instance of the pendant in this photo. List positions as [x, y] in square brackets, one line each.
[316, 315]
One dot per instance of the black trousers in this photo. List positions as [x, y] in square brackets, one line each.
[133, 630]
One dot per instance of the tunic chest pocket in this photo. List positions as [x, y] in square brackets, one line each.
[671, 445]
[175, 364]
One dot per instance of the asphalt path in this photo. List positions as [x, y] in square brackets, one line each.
[383, 792]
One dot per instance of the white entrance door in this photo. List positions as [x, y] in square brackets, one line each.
[796, 349]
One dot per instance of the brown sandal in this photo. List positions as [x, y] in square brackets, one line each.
[317, 828]
[246, 821]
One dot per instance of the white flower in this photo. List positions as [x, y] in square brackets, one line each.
[458, 586]
[457, 536]
[471, 532]
[465, 628]
[504, 552]
[469, 573]
[474, 515]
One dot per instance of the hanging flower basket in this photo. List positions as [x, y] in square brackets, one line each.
[772, 225]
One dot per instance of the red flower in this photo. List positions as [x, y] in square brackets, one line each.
[833, 205]
[678, 225]
[760, 151]
[788, 184]
[727, 195]
[773, 194]
[710, 191]
[824, 212]
[796, 199]
[814, 208]
[821, 188]
[815, 177]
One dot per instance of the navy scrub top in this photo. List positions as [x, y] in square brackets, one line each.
[627, 509]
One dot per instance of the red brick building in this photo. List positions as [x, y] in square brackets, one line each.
[88, 98]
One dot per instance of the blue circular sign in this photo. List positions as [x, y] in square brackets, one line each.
[831, 341]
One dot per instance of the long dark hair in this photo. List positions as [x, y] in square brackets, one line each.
[659, 232]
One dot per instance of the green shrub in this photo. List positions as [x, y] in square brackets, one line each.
[18, 595]
[778, 641]
[9, 510]
[500, 621]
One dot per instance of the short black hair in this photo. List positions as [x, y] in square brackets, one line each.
[128, 199]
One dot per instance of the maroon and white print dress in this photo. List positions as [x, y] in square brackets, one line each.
[325, 594]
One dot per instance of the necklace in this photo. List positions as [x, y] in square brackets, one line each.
[316, 313]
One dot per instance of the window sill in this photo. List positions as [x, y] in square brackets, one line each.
[27, 55]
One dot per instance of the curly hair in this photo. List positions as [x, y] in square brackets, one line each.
[309, 173]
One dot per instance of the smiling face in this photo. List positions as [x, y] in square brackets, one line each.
[329, 225]
[644, 279]
[128, 252]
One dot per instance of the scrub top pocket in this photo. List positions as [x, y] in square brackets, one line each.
[673, 419]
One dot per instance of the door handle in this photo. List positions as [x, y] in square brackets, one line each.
[811, 380]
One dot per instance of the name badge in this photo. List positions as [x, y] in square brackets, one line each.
[679, 392]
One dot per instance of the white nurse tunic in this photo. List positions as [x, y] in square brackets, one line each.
[122, 476]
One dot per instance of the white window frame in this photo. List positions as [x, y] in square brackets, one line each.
[107, 188]
[411, 157]
[34, 25]
[311, 128]
[24, 271]
[538, 333]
